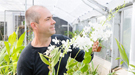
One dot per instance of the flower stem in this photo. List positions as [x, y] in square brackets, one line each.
[59, 65]
[77, 53]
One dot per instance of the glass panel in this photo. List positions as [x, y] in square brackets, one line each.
[2, 31]
[105, 52]
[126, 31]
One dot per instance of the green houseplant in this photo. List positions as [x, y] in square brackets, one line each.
[10, 53]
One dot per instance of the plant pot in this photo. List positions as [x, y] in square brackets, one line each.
[99, 49]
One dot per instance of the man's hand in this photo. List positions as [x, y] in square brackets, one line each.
[95, 46]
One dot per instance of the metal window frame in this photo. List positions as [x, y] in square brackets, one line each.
[121, 26]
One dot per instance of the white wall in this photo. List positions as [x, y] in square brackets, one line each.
[9, 20]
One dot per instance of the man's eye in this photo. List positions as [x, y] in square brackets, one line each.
[47, 19]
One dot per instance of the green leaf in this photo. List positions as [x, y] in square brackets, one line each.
[122, 52]
[87, 58]
[54, 52]
[2, 54]
[125, 55]
[72, 65]
[95, 71]
[69, 62]
[44, 59]
[132, 72]
[7, 47]
[77, 73]
[121, 62]
[118, 58]
[55, 59]
[14, 66]
[132, 65]
[20, 41]
[7, 58]
[12, 38]
[92, 65]
[13, 48]
[53, 71]
[70, 71]
[4, 66]
[84, 68]
[15, 51]
[14, 57]
[87, 54]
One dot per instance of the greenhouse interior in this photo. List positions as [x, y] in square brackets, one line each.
[77, 37]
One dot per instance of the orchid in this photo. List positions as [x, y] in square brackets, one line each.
[51, 47]
[56, 41]
[83, 43]
[100, 31]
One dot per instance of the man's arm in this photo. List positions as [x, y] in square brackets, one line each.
[79, 54]
[24, 65]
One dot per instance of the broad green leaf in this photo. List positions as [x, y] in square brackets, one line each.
[118, 58]
[4, 66]
[17, 49]
[46, 56]
[86, 54]
[65, 74]
[7, 58]
[132, 72]
[7, 47]
[84, 68]
[69, 62]
[121, 62]
[122, 52]
[126, 57]
[20, 41]
[72, 65]
[70, 71]
[53, 71]
[96, 69]
[54, 52]
[2, 54]
[44, 59]
[87, 59]
[12, 38]
[77, 73]
[1, 62]
[132, 65]
[55, 59]
[13, 48]
[14, 66]
[14, 57]
[92, 66]
[90, 50]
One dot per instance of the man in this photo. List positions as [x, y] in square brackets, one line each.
[40, 20]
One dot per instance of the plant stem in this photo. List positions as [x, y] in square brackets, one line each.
[59, 65]
[77, 53]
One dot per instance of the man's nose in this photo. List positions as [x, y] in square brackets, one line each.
[53, 21]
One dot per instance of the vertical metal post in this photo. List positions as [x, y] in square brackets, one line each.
[25, 24]
[32, 2]
[4, 24]
[132, 44]
[17, 22]
[68, 30]
[33, 32]
[114, 47]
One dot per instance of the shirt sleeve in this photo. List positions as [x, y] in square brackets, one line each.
[77, 53]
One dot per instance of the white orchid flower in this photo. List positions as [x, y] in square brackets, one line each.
[56, 41]
[51, 47]
[61, 55]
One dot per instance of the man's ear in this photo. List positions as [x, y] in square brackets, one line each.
[33, 25]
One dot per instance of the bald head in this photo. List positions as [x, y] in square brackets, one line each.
[33, 15]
